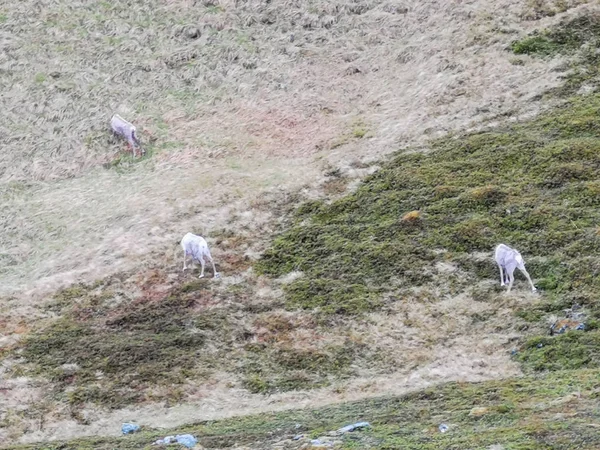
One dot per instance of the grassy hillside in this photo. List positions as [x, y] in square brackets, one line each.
[229, 97]
[389, 287]
[557, 411]
[533, 185]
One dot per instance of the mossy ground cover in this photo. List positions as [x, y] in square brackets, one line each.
[555, 411]
[108, 350]
[566, 37]
[531, 185]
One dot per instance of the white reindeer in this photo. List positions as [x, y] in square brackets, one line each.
[126, 130]
[508, 259]
[197, 247]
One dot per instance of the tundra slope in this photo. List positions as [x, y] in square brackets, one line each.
[377, 128]
[243, 104]
[455, 321]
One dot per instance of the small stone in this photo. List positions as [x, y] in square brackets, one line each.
[70, 369]
[192, 32]
[478, 411]
[352, 70]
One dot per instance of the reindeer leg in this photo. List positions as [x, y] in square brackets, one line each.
[202, 263]
[511, 277]
[533, 289]
[501, 276]
[215, 273]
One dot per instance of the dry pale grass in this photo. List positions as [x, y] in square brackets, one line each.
[260, 97]
[254, 102]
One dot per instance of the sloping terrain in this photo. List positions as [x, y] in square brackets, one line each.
[558, 411]
[231, 99]
[333, 290]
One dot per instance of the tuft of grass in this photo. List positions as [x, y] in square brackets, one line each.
[485, 196]
[359, 132]
[539, 45]
[411, 217]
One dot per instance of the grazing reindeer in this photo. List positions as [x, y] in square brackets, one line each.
[126, 130]
[508, 259]
[197, 247]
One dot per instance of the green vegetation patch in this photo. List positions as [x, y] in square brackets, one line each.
[271, 369]
[556, 411]
[534, 186]
[107, 349]
[531, 185]
[108, 352]
[565, 37]
[572, 350]
[580, 37]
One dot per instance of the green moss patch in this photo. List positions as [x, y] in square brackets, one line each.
[572, 350]
[531, 185]
[577, 37]
[283, 369]
[565, 37]
[109, 353]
